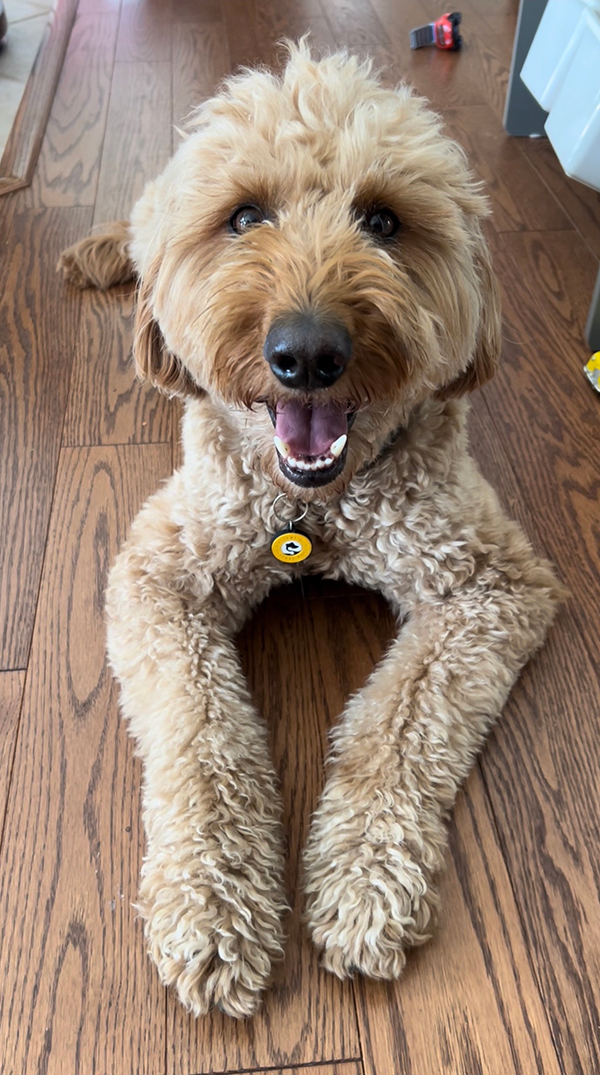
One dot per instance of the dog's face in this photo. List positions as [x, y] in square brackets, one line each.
[312, 258]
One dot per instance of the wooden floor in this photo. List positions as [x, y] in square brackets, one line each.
[511, 983]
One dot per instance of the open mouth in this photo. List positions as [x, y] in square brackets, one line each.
[311, 441]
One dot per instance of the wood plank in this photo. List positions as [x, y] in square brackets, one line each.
[495, 43]
[521, 893]
[69, 161]
[11, 693]
[145, 30]
[506, 8]
[36, 351]
[473, 979]
[468, 1000]
[548, 819]
[487, 446]
[87, 7]
[200, 61]
[520, 200]
[493, 38]
[266, 25]
[307, 1015]
[23, 145]
[272, 30]
[543, 407]
[533, 439]
[493, 23]
[539, 773]
[79, 993]
[354, 1067]
[138, 140]
[196, 11]
[286, 10]
[107, 404]
[447, 79]
[581, 203]
[551, 801]
[556, 271]
[358, 26]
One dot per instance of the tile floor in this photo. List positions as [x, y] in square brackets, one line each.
[27, 20]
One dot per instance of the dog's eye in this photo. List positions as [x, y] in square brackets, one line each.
[247, 216]
[382, 223]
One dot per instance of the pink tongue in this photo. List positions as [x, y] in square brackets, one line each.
[310, 430]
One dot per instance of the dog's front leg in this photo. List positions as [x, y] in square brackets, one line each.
[405, 744]
[211, 890]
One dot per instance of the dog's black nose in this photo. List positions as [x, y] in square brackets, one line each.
[308, 352]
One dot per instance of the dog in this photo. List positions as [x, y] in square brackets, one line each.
[314, 282]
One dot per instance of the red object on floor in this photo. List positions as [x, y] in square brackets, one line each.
[443, 33]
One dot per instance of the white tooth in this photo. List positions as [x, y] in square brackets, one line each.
[338, 446]
[282, 447]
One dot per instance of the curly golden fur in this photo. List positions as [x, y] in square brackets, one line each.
[318, 150]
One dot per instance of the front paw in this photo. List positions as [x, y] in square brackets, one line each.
[214, 947]
[367, 900]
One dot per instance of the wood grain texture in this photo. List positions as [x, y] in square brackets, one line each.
[267, 24]
[473, 979]
[491, 29]
[447, 79]
[308, 1015]
[506, 8]
[493, 36]
[467, 1002]
[36, 352]
[581, 203]
[69, 161]
[11, 693]
[356, 20]
[78, 992]
[547, 812]
[541, 776]
[510, 984]
[200, 61]
[107, 404]
[196, 11]
[487, 448]
[542, 406]
[555, 776]
[520, 200]
[137, 143]
[145, 30]
[21, 151]
[88, 6]
[353, 1067]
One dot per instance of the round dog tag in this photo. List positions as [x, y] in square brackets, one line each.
[291, 546]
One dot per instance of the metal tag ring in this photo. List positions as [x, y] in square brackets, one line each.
[297, 518]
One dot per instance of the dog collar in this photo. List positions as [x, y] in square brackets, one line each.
[291, 545]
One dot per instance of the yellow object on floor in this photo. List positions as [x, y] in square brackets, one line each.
[592, 370]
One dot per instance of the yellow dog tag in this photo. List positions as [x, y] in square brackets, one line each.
[291, 546]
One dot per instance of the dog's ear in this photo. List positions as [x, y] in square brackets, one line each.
[153, 360]
[484, 362]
